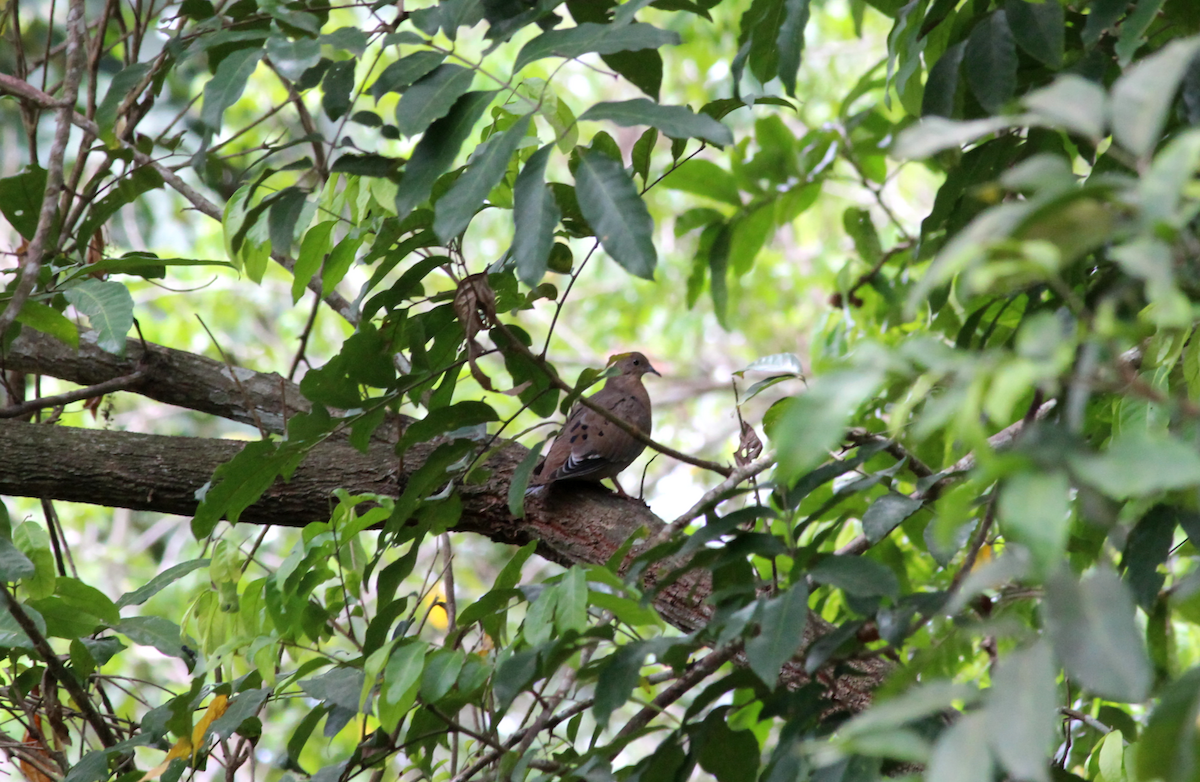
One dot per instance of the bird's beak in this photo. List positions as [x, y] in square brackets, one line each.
[652, 369]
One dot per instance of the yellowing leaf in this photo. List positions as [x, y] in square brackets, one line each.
[214, 711]
[182, 749]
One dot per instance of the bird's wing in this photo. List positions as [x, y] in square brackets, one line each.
[584, 438]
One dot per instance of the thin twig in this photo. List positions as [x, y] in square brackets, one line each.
[36, 252]
[122, 383]
[996, 442]
[56, 669]
[22, 89]
[713, 496]
[694, 675]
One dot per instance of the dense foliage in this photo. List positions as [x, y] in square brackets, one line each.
[959, 544]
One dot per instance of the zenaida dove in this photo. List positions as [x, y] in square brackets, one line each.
[592, 448]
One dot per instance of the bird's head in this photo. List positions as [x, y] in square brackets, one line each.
[634, 364]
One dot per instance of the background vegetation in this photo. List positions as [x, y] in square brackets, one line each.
[921, 279]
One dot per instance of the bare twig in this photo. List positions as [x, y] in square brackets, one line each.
[31, 266]
[123, 383]
[713, 496]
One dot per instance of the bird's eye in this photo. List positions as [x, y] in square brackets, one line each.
[636, 362]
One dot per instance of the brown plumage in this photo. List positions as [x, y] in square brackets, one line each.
[592, 448]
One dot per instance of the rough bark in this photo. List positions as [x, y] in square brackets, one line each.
[174, 377]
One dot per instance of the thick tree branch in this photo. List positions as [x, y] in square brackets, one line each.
[582, 524]
[174, 377]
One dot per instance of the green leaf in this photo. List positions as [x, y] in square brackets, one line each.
[611, 204]
[87, 599]
[570, 612]
[21, 200]
[886, 513]
[729, 755]
[990, 62]
[1147, 547]
[1092, 625]
[32, 541]
[315, 246]
[148, 265]
[913, 704]
[1038, 29]
[592, 37]
[514, 675]
[941, 87]
[782, 620]
[109, 308]
[404, 72]
[162, 634]
[92, 767]
[935, 134]
[1168, 748]
[790, 41]
[401, 682]
[238, 483]
[535, 215]
[762, 25]
[340, 687]
[445, 419]
[441, 672]
[1074, 102]
[348, 39]
[861, 228]
[619, 674]
[128, 189]
[432, 97]
[643, 149]
[1102, 15]
[718, 269]
[283, 217]
[159, 582]
[366, 165]
[674, 121]
[120, 88]
[1133, 30]
[436, 150]
[643, 69]
[1022, 709]
[50, 321]
[1143, 95]
[489, 162]
[1161, 191]
[65, 619]
[227, 85]
[292, 58]
[337, 85]
[13, 564]
[858, 576]
[1035, 510]
[814, 423]
[520, 481]
[243, 706]
[339, 262]
[1139, 464]
[961, 753]
[705, 178]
